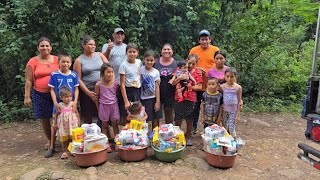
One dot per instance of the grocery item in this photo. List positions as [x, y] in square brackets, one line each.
[91, 130]
[78, 134]
[166, 131]
[95, 144]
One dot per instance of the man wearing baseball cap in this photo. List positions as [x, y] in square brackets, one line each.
[205, 52]
[116, 51]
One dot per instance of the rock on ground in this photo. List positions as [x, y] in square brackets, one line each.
[198, 162]
[291, 173]
[57, 175]
[32, 175]
[259, 122]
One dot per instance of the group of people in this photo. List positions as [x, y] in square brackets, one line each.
[115, 86]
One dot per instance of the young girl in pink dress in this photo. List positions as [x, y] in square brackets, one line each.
[66, 119]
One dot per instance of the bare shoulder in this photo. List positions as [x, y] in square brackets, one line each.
[238, 86]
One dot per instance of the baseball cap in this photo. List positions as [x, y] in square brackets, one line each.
[204, 32]
[118, 30]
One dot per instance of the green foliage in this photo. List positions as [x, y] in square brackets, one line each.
[13, 111]
[269, 42]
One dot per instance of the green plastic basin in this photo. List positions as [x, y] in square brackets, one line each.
[168, 156]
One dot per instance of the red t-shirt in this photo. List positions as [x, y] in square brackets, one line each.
[41, 73]
[191, 95]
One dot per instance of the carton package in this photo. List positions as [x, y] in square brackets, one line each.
[128, 136]
[95, 144]
[91, 130]
[215, 131]
[166, 131]
[78, 134]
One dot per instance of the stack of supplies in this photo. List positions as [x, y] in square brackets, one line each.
[88, 138]
[216, 140]
[133, 136]
[168, 138]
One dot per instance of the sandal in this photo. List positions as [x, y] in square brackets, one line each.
[47, 146]
[49, 153]
[189, 142]
[64, 155]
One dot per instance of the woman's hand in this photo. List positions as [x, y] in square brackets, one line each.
[93, 95]
[203, 71]
[27, 102]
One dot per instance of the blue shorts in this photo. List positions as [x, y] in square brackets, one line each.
[149, 108]
[42, 104]
[133, 94]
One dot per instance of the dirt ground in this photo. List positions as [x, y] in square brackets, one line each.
[270, 153]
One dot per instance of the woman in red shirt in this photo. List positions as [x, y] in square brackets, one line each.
[37, 74]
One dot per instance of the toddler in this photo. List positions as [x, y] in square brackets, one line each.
[137, 112]
[184, 85]
[66, 119]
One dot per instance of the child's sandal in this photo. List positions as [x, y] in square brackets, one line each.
[64, 155]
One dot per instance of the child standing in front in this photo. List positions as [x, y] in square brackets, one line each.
[107, 103]
[58, 79]
[184, 85]
[66, 119]
[130, 79]
[232, 98]
[150, 91]
[137, 112]
[211, 104]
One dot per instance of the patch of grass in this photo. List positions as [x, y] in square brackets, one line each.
[45, 175]
[271, 105]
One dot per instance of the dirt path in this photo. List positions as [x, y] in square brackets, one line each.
[270, 153]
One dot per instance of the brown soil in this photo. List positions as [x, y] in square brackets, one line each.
[270, 153]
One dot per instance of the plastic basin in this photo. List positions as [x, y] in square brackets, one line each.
[220, 161]
[91, 158]
[131, 155]
[168, 156]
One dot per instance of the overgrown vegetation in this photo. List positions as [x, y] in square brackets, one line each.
[269, 42]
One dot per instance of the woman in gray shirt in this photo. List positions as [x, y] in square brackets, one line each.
[88, 65]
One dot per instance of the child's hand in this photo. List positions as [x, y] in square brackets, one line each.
[202, 120]
[171, 81]
[58, 107]
[127, 105]
[74, 107]
[219, 121]
[237, 119]
[55, 126]
[157, 106]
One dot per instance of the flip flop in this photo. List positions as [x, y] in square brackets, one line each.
[47, 146]
[49, 153]
[64, 155]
